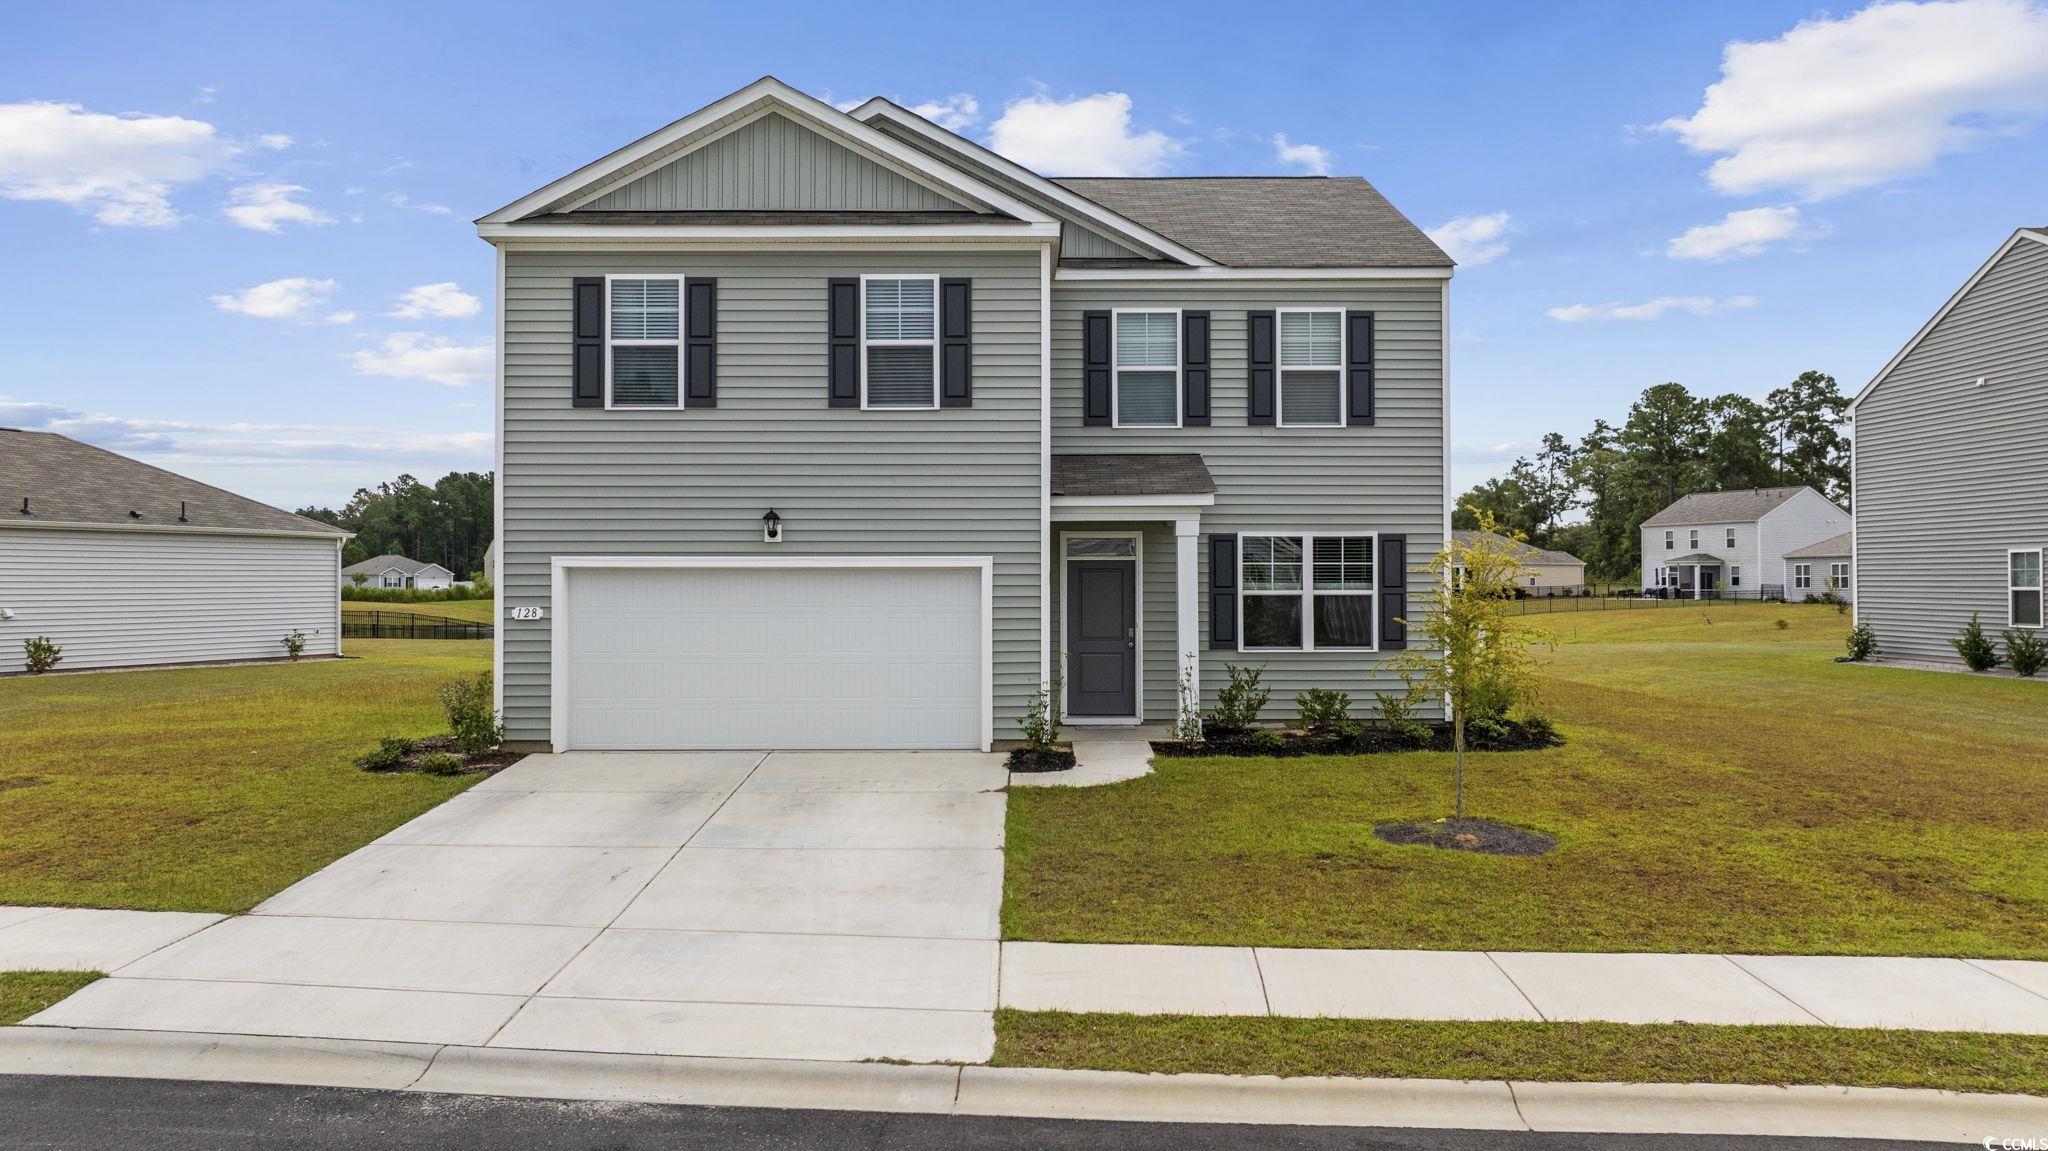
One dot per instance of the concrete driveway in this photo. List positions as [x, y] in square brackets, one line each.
[807, 905]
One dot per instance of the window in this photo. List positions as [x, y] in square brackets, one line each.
[393, 579]
[2023, 588]
[899, 365]
[1306, 592]
[644, 336]
[1146, 376]
[1670, 541]
[1735, 576]
[1094, 547]
[1731, 537]
[1692, 539]
[1311, 368]
[1838, 576]
[1802, 576]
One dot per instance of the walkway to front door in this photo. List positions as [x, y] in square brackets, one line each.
[804, 905]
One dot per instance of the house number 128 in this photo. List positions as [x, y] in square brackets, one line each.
[528, 612]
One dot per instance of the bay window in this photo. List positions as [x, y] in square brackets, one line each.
[1304, 592]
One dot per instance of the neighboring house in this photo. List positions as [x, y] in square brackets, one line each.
[839, 430]
[1543, 571]
[491, 563]
[122, 564]
[396, 572]
[1828, 566]
[1710, 545]
[1950, 457]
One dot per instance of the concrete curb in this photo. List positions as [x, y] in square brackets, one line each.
[1492, 1105]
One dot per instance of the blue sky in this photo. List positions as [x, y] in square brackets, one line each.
[1847, 171]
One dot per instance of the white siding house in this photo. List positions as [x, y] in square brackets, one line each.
[396, 572]
[1734, 544]
[121, 564]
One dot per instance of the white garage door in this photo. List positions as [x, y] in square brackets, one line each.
[773, 658]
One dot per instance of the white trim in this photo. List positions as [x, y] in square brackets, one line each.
[1116, 368]
[1045, 541]
[1307, 591]
[771, 234]
[932, 343]
[338, 546]
[1340, 368]
[1137, 559]
[1444, 413]
[1191, 500]
[2040, 588]
[2010, 243]
[682, 323]
[1102, 219]
[560, 566]
[1187, 608]
[498, 612]
[1218, 272]
[18, 524]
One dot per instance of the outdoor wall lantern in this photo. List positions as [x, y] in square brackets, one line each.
[771, 528]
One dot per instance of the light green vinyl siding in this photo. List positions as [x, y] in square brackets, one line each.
[1077, 242]
[954, 482]
[773, 164]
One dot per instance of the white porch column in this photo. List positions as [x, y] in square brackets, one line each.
[1187, 605]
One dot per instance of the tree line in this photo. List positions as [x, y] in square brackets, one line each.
[448, 523]
[1672, 443]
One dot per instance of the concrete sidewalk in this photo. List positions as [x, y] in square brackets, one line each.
[1836, 991]
[88, 939]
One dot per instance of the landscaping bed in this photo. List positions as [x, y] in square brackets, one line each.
[436, 755]
[1515, 734]
[1039, 759]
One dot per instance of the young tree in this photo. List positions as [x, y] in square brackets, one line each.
[1485, 666]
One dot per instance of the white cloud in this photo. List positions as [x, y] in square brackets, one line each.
[121, 169]
[1649, 309]
[1473, 240]
[275, 141]
[339, 318]
[401, 200]
[1749, 232]
[953, 113]
[445, 301]
[267, 207]
[1311, 158]
[1084, 136]
[205, 93]
[416, 356]
[293, 298]
[1838, 104]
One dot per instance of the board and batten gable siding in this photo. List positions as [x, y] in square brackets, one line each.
[1079, 243]
[127, 598]
[1806, 518]
[947, 482]
[1950, 475]
[1386, 478]
[773, 164]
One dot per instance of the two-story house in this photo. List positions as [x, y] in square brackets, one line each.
[821, 429]
[1746, 544]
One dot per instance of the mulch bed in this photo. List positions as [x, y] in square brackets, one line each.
[487, 763]
[1477, 835]
[1052, 759]
[1358, 741]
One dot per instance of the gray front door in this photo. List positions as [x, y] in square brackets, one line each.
[1102, 638]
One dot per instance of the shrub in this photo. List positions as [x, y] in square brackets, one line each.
[389, 756]
[415, 594]
[1041, 720]
[467, 704]
[1862, 642]
[1267, 740]
[1975, 647]
[2026, 651]
[1239, 702]
[1539, 728]
[41, 654]
[1781, 624]
[1486, 730]
[441, 763]
[1323, 709]
[1841, 606]
[294, 644]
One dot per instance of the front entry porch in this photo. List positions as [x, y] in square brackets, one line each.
[1697, 576]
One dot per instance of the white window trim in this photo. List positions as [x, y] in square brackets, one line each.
[1137, 561]
[2040, 585]
[1730, 537]
[1307, 591]
[1734, 575]
[1838, 575]
[1116, 368]
[1670, 541]
[933, 343]
[1280, 371]
[1692, 538]
[682, 322]
[1802, 577]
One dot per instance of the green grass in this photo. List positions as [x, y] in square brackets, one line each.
[208, 789]
[1567, 1052]
[473, 610]
[1724, 787]
[23, 993]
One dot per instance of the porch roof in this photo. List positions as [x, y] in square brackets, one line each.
[1126, 474]
[1701, 558]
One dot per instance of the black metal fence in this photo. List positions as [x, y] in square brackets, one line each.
[1538, 602]
[410, 625]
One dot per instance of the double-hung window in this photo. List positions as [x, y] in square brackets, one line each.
[1731, 537]
[1306, 592]
[899, 364]
[1838, 576]
[1802, 576]
[644, 341]
[1692, 538]
[1146, 377]
[2023, 588]
[1311, 368]
[1734, 575]
[1670, 543]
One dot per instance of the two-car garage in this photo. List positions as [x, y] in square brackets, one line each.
[803, 652]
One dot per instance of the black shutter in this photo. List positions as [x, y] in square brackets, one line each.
[700, 343]
[1095, 369]
[1194, 369]
[956, 343]
[1259, 356]
[1223, 592]
[1358, 369]
[1393, 593]
[586, 377]
[842, 335]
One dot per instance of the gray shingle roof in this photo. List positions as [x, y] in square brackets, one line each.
[1722, 507]
[66, 481]
[377, 565]
[1530, 552]
[1841, 545]
[1271, 221]
[1694, 558]
[1134, 474]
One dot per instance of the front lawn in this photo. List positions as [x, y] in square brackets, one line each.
[1723, 787]
[471, 610]
[23, 993]
[208, 789]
